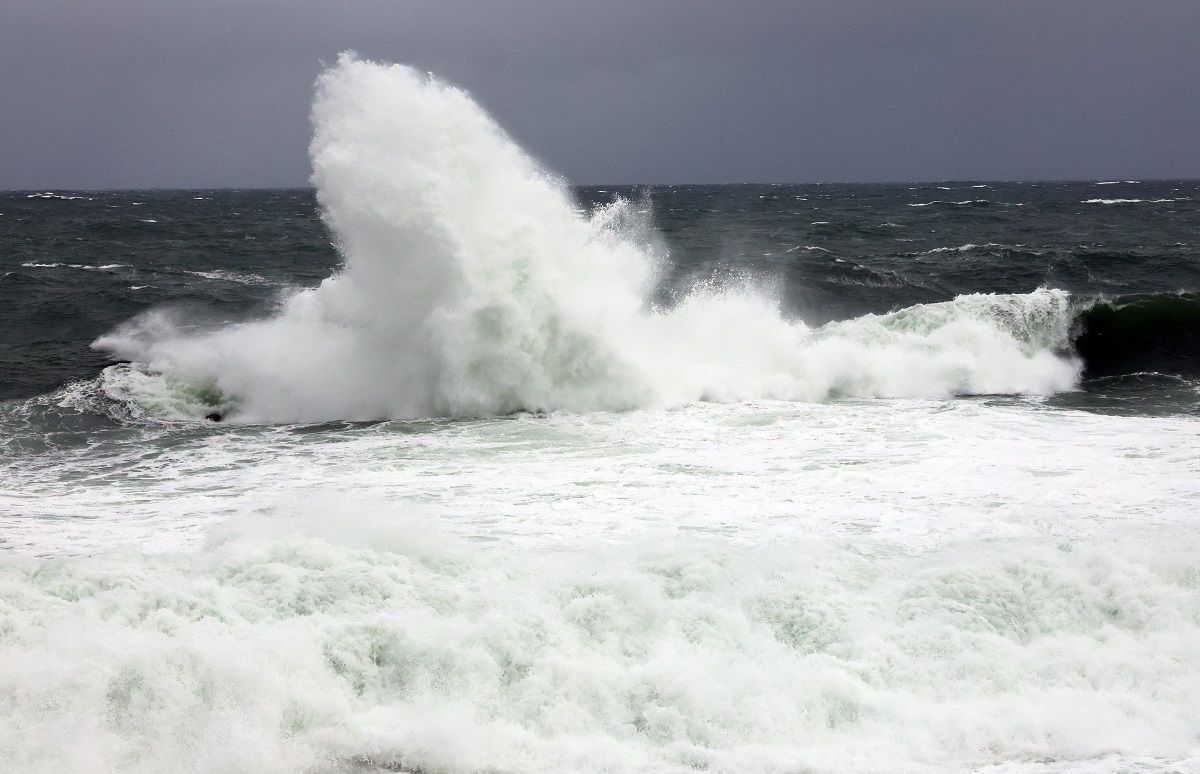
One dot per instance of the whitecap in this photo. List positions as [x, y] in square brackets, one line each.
[52, 195]
[1135, 201]
[83, 266]
[243, 278]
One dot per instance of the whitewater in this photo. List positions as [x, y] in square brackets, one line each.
[488, 500]
[472, 286]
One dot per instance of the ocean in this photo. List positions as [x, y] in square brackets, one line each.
[445, 465]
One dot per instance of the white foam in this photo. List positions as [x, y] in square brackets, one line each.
[52, 195]
[240, 277]
[82, 266]
[968, 247]
[939, 201]
[345, 638]
[923, 472]
[1133, 201]
[472, 287]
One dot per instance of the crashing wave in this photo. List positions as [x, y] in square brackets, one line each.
[472, 286]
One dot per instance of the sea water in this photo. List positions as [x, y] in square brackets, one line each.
[512, 477]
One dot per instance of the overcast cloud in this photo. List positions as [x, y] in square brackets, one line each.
[143, 93]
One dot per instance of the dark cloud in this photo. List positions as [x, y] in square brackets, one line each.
[130, 93]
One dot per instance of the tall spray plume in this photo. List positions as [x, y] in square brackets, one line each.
[471, 285]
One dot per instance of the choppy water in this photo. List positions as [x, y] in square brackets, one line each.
[728, 478]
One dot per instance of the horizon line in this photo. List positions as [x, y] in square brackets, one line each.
[643, 184]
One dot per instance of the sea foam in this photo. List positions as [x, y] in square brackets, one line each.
[293, 646]
[473, 286]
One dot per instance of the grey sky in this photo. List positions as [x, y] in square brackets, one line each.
[133, 93]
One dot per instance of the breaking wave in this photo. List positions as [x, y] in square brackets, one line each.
[472, 285]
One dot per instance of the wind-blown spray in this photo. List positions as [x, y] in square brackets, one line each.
[472, 286]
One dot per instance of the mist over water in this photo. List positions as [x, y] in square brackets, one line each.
[519, 478]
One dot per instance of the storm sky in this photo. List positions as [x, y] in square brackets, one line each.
[215, 93]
